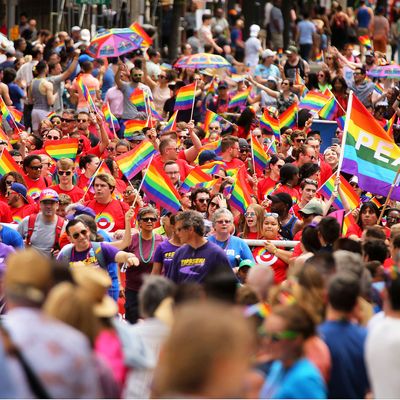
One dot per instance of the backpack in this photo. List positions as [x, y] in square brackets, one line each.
[31, 226]
[96, 246]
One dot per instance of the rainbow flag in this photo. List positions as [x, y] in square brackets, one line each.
[51, 114]
[369, 152]
[86, 93]
[214, 146]
[209, 119]
[241, 190]
[171, 124]
[137, 98]
[110, 118]
[209, 184]
[212, 89]
[314, 101]
[260, 157]
[348, 221]
[153, 110]
[196, 176]
[378, 88]
[340, 121]
[212, 167]
[351, 196]
[376, 202]
[298, 80]
[270, 124]
[185, 97]
[329, 110]
[239, 99]
[288, 117]
[132, 162]
[132, 126]
[63, 148]
[389, 125]
[365, 41]
[319, 57]
[7, 164]
[7, 115]
[159, 188]
[147, 40]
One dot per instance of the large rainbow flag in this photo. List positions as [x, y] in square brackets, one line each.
[159, 188]
[241, 191]
[270, 124]
[137, 98]
[63, 148]
[132, 162]
[369, 152]
[110, 118]
[209, 119]
[288, 117]
[134, 125]
[260, 157]
[196, 176]
[239, 99]
[314, 100]
[7, 164]
[185, 97]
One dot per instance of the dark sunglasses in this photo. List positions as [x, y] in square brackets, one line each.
[127, 192]
[149, 219]
[111, 148]
[52, 137]
[82, 120]
[213, 128]
[68, 120]
[80, 140]
[66, 173]
[36, 168]
[216, 205]
[83, 232]
[137, 75]
[299, 140]
[9, 183]
[202, 200]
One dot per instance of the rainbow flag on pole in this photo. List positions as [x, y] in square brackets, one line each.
[184, 98]
[260, 157]
[63, 148]
[8, 115]
[365, 41]
[314, 101]
[132, 162]
[86, 93]
[389, 125]
[329, 110]
[134, 125]
[137, 98]
[209, 119]
[159, 188]
[240, 99]
[270, 124]
[212, 89]
[241, 190]
[319, 57]
[110, 118]
[196, 176]
[147, 40]
[7, 164]
[171, 124]
[288, 117]
[378, 88]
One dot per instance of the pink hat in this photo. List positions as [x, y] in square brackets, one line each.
[48, 194]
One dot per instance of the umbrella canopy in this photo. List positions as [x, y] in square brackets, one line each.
[202, 60]
[114, 42]
[385, 71]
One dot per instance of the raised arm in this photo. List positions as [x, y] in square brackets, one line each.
[192, 152]
[272, 93]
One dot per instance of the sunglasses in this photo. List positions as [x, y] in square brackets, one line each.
[111, 148]
[137, 75]
[279, 166]
[127, 192]
[66, 173]
[83, 232]
[80, 140]
[223, 221]
[36, 168]
[9, 183]
[52, 137]
[68, 120]
[270, 214]
[149, 219]
[278, 336]
[250, 214]
[216, 205]
[257, 136]
[202, 200]
[3, 143]
[299, 140]
[82, 120]
[213, 128]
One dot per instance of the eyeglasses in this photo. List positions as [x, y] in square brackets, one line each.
[223, 221]
[257, 136]
[110, 148]
[19, 162]
[52, 137]
[203, 200]
[270, 214]
[299, 140]
[279, 166]
[83, 232]
[278, 336]
[36, 167]
[82, 120]
[3, 143]
[213, 128]
[354, 185]
[66, 173]
[149, 219]
[9, 183]
[212, 204]
[68, 120]
[127, 192]
[137, 75]
[250, 214]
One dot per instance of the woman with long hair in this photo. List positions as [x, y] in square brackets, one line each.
[253, 226]
[272, 176]
[367, 216]
[88, 164]
[339, 89]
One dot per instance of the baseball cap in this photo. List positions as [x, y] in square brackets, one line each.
[281, 198]
[291, 49]
[49, 194]
[20, 189]
[75, 28]
[223, 85]
[243, 143]
[79, 209]
[272, 78]
[85, 35]
[85, 57]
[268, 53]
[314, 206]
[369, 53]
[208, 155]
[246, 263]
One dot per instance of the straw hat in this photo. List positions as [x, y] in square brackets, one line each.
[95, 282]
[28, 275]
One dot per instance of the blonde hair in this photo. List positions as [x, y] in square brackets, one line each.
[65, 163]
[259, 210]
[107, 178]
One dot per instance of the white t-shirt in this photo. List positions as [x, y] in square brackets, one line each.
[382, 356]
[252, 48]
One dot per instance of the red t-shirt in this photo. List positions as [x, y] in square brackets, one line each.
[297, 251]
[266, 259]
[109, 217]
[294, 194]
[76, 193]
[264, 186]
[5, 213]
[36, 187]
[18, 214]
[184, 167]
[235, 163]
[325, 172]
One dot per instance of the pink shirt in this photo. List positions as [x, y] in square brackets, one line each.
[92, 84]
[115, 99]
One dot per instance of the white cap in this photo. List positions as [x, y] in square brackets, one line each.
[254, 30]
[272, 78]
[268, 53]
[85, 36]
[354, 179]
[75, 28]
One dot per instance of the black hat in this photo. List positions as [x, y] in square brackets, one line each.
[281, 198]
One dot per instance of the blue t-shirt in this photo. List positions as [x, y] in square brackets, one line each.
[16, 94]
[306, 31]
[346, 342]
[301, 381]
[193, 265]
[236, 249]
[11, 237]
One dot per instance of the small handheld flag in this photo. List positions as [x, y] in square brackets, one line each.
[185, 96]
[63, 148]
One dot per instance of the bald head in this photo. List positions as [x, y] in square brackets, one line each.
[260, 279]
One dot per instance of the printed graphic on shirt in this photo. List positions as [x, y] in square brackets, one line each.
[262, 256]
[105, 221]
[34, 192]
[192, 266]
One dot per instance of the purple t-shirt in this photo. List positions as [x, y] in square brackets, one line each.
[193, 265]
[164, 255]
[88, 256]
[5, 251]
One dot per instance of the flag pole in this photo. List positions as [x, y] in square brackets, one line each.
[112, 122]
[330, 91]
[394, 184]
[194, 98]
[92, 179]
[252, 153]
[141, 183]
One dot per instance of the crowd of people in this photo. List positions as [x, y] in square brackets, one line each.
[262, 284]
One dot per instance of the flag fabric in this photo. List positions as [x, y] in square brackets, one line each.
[288, 117]
[260, 157]
[159, 188]
[7, 164]
[340, 121]
[348, 221]
[389, 125]
[212, 167]
[378, 88]
[365, 41]
[7, 115]
[153, 110]
[184, 98]
[329, 110]
[369, 152]
[63, 148]
[132, 162]
[110, 118]
[270, 124]
[195, 176]
[239, 99]
[209, 119]
[351, 196]
[86, 94]
[376, 202]
[212, 89]
[171, 124]
[134, 125]
[214, 146]
[319, 57]
[314, 101]
[147, 40]
[51, 114]
[241, 190]
[137, 98]
[209, 184]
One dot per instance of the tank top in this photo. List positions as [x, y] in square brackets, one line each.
[39, 99]
[363, 17]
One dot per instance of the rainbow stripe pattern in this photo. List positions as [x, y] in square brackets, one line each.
[132, 162]
[209, 119]
[185, 97]
[212, 167]
[153, 110]
[159, 188]
[196, 176]
[85, 93]
[389, 125]
[260, 157]
[63, 148]
[329, 110]
[110, 118]
[365, 41]
[240, 99]
[270, 124]
[7, 164]
[212, 89]
[241, 190]
[288, 117]
[319, 57]
[314, 101]
[171, 124]
[7, 115]
[147, 40]
[378, 88]
[137, 98]
[132, 126]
